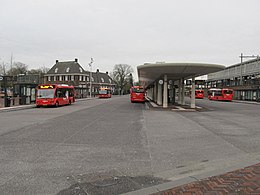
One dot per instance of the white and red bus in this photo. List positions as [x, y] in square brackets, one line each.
[137, 94]
[54, 95]
[221, 94]
[104, 92]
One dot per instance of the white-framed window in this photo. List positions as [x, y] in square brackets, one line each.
[66, 78]
[80, 78]
[68, 69]
[56, 70]
[80, 69]
[92, 79]
[102, 80]
[49, 78]
[84, 78]
[72, 77]
[88, 79]
[109, 80]
[60, 78]
[54, 78]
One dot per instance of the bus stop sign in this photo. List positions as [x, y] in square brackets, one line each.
[1, 77]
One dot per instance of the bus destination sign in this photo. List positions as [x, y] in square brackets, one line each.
[46, 87]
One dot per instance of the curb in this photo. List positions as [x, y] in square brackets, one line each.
[193, 178]
[23, 107]
[246, 102]
[14, 108]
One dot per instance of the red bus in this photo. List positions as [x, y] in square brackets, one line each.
[137, 94]
[104, 93]
[55, 95]
[220, 94]
[199, 94]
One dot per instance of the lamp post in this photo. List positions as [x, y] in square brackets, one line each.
[90, 75]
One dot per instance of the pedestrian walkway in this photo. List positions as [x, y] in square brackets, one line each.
[244, 181]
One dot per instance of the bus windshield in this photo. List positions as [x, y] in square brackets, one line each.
[102, 91]
[45, 93]
[138, 90]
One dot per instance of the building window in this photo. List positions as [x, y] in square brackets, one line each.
[102, 80]
[80, 69]
[72, 78]
[68, 69]
[88, 79]
[109, 80]
[66, 78]
[84, 78]
[52, 78]
[92, 79]
[56, 70]
[60, 78]
[49, 78]
[63, 78]
[69, 77]
[80, 78]
[57, 78]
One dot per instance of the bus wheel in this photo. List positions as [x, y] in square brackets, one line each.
[57, 104]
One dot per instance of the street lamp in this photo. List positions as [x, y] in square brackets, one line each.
[90, 75]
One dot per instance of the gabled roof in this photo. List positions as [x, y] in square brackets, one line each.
[67, 67]
[100, 77]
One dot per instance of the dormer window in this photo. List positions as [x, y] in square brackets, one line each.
[102, 80]
[68, 69]
[92, 79]
[109, 80]
[80, 69]
[56, 70]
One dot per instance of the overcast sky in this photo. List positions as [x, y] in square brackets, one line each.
[132, 32]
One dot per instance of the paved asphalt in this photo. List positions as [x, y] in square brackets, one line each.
[111, 146]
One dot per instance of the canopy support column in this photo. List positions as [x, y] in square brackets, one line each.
[155, 91]
[165, 92]
[192, 100]
[179, 91]
[182, 92]
[159, 94]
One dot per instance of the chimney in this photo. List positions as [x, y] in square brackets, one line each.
[97, 70]
[76, 59]
[57, 61]
[106, 72]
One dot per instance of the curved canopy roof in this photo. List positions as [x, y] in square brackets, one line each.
[150, 72]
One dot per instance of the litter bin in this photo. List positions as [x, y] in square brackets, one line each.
[23, 100]
[8, 102]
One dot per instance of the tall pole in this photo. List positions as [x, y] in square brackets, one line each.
[5, 90]
[11, 63]
[241, 77]
[90, 75]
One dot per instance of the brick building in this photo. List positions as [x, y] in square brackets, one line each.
[72, 73]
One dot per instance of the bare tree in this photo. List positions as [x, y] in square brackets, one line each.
[17, 68]
[122, 74]
[41, 70]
